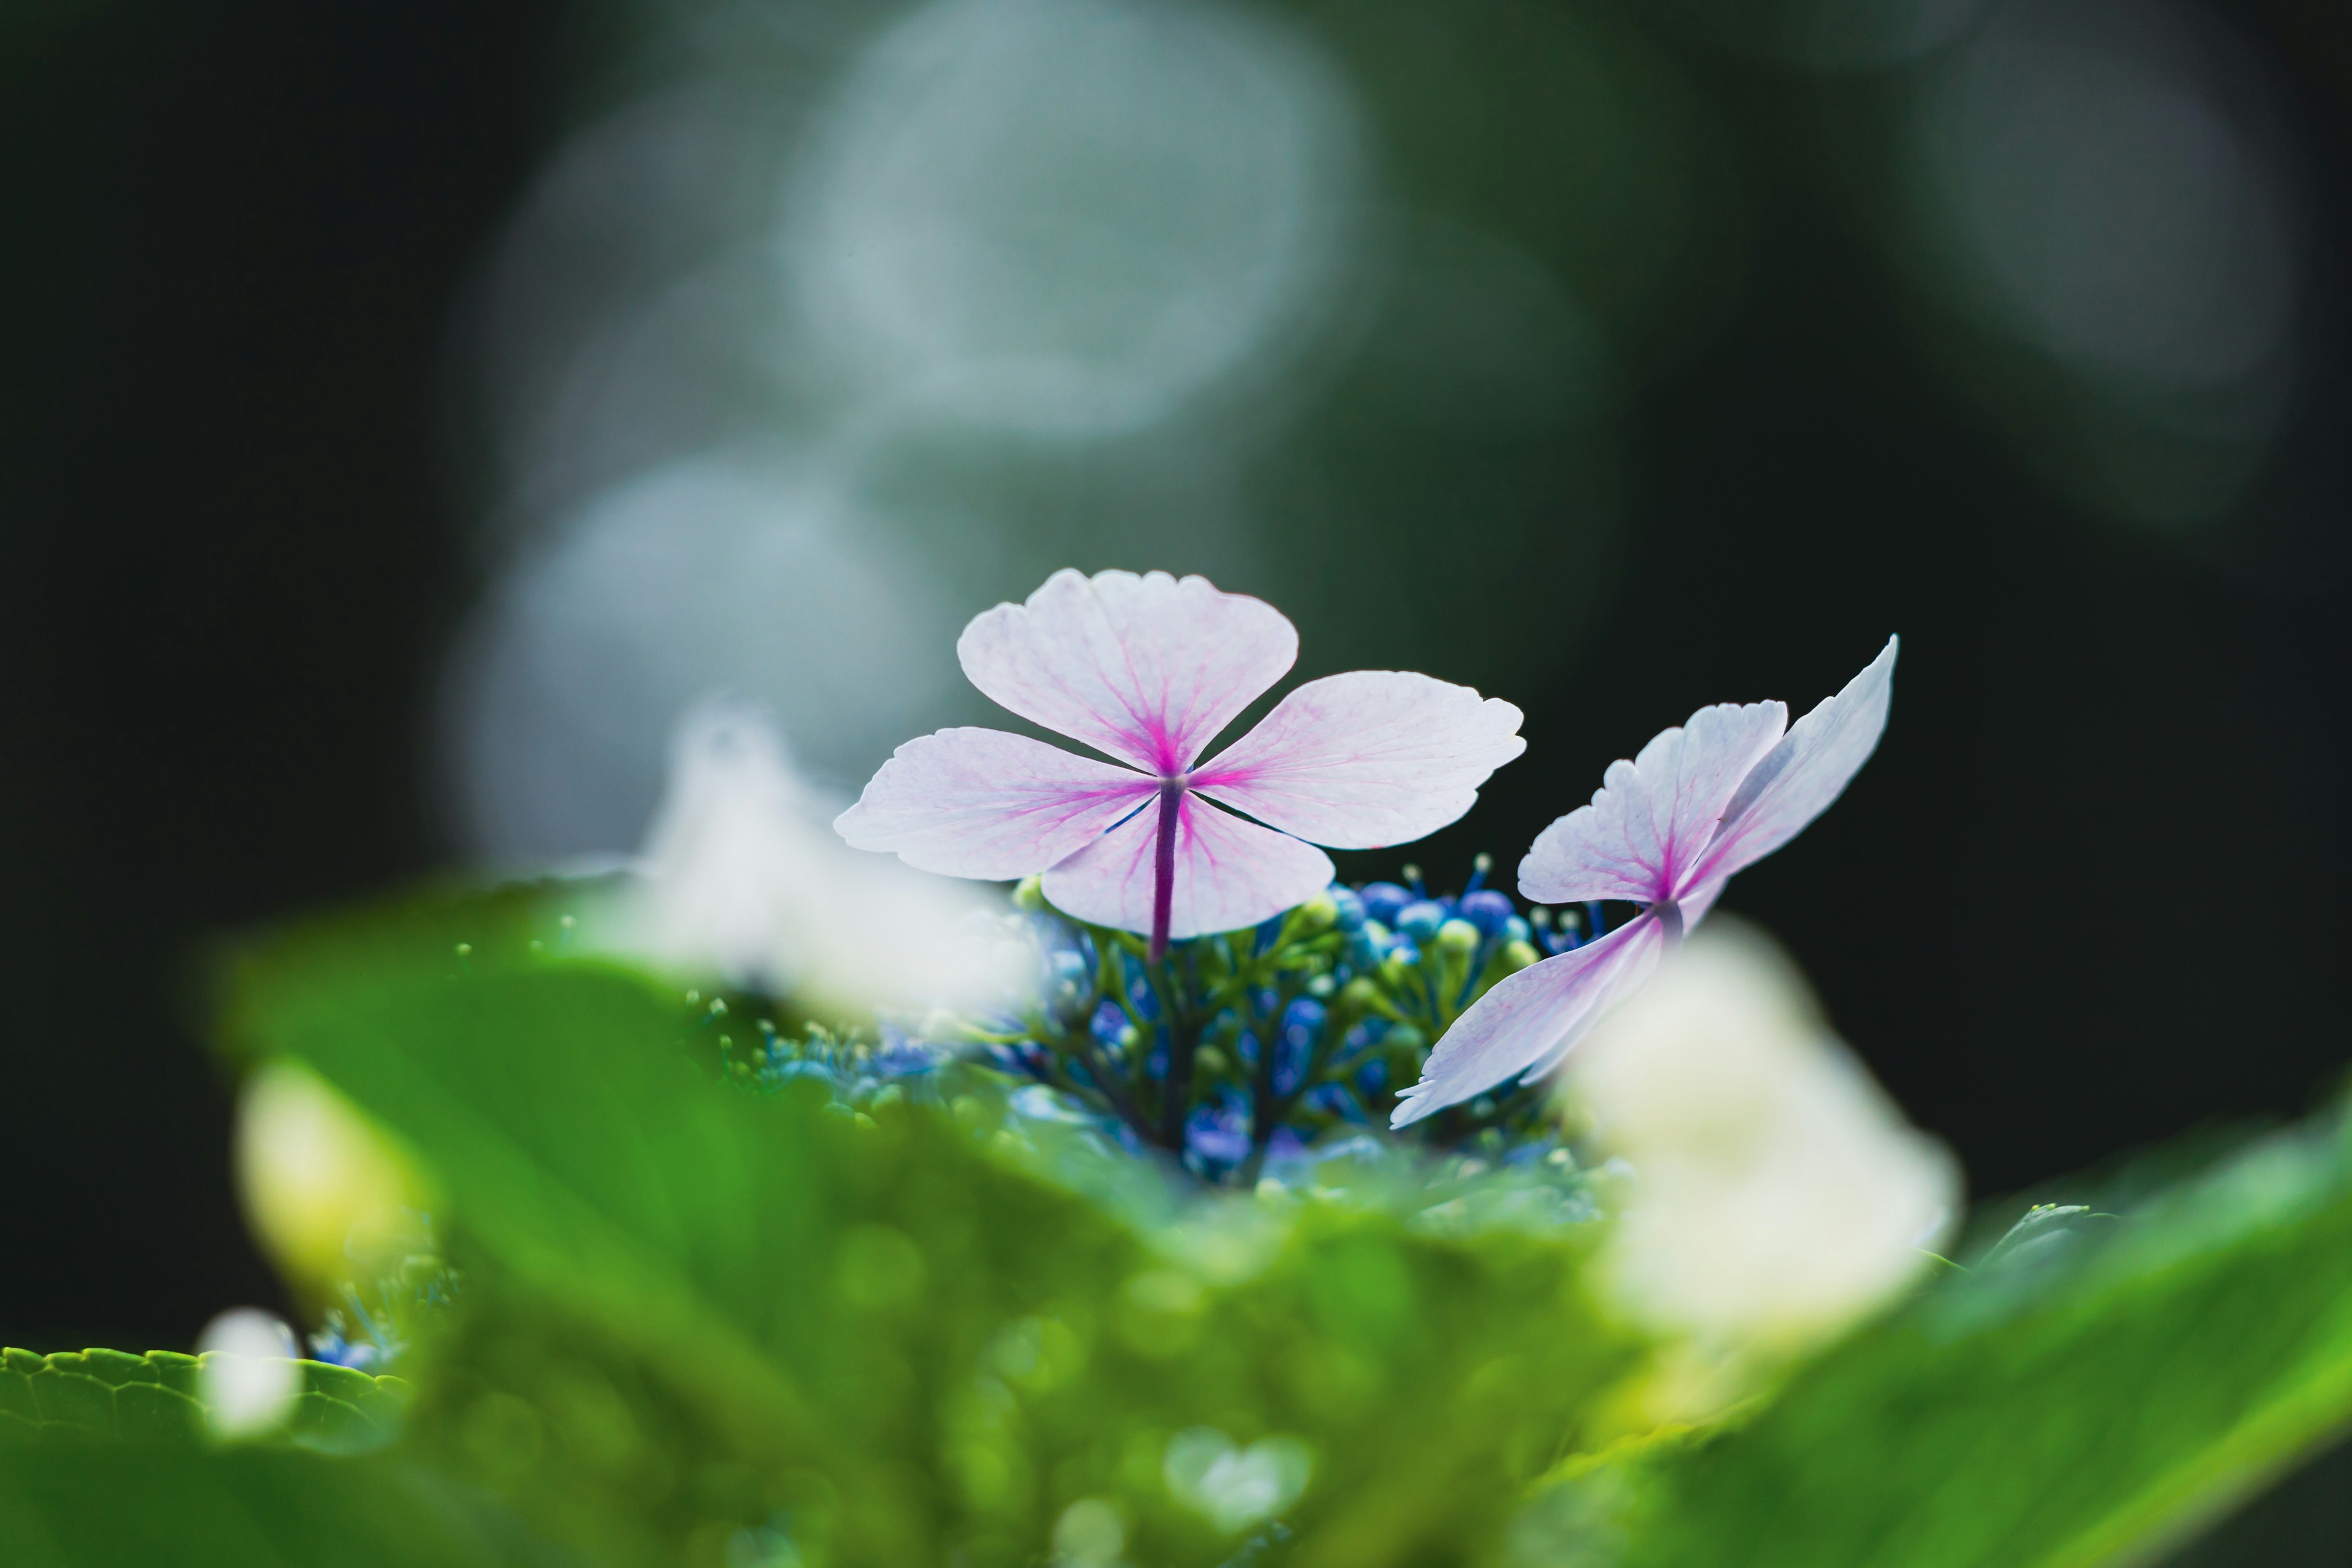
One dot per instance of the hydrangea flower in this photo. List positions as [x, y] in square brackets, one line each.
[1666, 831]
[1147, 669]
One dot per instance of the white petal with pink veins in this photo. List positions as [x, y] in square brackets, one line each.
[1798, 778]
[1366, 760]
[1147, 668]
[981, 803]
[1653, 817]
[1528, 1023]
[1229, 873]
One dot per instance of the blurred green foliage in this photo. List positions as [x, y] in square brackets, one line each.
[130, 1506]
[702, 1325]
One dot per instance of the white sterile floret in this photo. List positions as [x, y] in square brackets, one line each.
[742, 876]
[323, 1188]
[247, 1373]
[1778, 1194]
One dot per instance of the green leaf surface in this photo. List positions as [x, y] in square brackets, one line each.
[2062, 1408]
[87, 1503]
[156, 1398]
[700, 1324]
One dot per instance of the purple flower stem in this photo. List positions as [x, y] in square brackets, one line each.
[1163, 865]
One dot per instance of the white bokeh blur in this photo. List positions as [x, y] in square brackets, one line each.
[1777, 1193]
[736, 314]
[2099, 182]
[1070, 216]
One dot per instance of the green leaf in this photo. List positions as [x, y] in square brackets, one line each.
[2077, 1408]
[156, 1398]
[91, 1504]
[697, 1321]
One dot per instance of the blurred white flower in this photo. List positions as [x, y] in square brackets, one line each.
[1778, 1194]
[325, 1192]
[741, 876]
[247, 1373]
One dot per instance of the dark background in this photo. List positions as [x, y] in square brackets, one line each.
[2086, 897]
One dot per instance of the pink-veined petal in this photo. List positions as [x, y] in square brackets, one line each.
[1653, 817]
[1529, 1022]
[1229, 873]
[1367, 760]
[1797, 779]
[1147, 669]
[1698, 901]
[981, 803]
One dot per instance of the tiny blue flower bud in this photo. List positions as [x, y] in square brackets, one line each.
[1517, 929]
[1384, 902]
[1420, 921]
[1487, 909]
[1351, 910]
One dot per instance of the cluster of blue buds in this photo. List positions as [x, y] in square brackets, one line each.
[370, 1327]
[1240, 1052]
[859, 1073]
[1430, 956]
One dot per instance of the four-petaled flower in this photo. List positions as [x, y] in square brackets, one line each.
[1148, 670]
[1666, 831]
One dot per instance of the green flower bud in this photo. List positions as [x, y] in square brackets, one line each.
[1404, 1038]
[1360, 994]
[1516, 956]
[1396, 968]
[1029, 898]
[1458, 937]
[1319, 913]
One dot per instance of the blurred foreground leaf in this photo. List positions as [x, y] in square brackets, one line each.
[87, 1504]
[2057, 1409]
[707, 1326]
